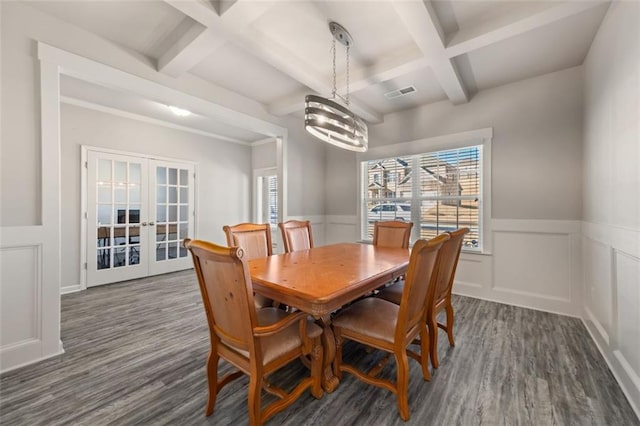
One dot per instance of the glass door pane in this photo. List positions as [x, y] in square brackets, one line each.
[172, 199]
[115, 189]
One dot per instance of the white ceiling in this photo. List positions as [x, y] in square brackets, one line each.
[277, 51]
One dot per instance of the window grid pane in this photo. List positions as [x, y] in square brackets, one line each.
[447, 195]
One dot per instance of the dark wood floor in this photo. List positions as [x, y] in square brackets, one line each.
[135, 354]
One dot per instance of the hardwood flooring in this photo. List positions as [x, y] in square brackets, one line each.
[135, 354]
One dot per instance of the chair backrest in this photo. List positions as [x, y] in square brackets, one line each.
[448, 262]
[227, 294]
[254, 238]
[296, 235]
[423, 265]
[392, 233]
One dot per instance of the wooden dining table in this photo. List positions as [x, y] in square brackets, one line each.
[322, 279]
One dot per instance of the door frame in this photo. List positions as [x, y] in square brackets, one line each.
[84, 179]
[43, 238]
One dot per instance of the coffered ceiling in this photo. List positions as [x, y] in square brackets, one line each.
[275, 52]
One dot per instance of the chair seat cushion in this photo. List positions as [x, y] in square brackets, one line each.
[393, 293]
[371, 317]
[286, 340]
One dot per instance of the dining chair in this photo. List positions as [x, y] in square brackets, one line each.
[255, 239]
[439, 295]
[255, 341]
[385, 326]
[392, 233]
[296, 235]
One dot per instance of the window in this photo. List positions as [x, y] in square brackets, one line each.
[438, 191]
[268, 199]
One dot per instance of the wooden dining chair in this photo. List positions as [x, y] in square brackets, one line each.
[383, 325]
[392, 233]
[439, 295]
[256, 342]
[296, 235]
[255, 239]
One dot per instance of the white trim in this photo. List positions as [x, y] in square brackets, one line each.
[624, 239]
[71, 289]
[149, 120]
[613, 369]
[263, 141]
[436, 143]
[313, 219]
[536, 226]
[283, 174]
[342, 219]
[23, 363]
[627, 368]
[136, 154]
[95, 72]
[545, 308]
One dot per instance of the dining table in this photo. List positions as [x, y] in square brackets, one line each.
[321, 280]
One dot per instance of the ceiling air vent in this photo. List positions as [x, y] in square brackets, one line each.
[400, 92]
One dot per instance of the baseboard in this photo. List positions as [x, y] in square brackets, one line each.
[634, 404]
[32, 361]
[510, 303]
[71, 289]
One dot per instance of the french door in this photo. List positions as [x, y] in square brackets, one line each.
[138, 212]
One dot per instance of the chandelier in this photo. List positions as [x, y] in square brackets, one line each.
[328, 119]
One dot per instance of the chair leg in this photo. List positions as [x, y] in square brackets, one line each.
[449, 309]
[255, 400]
[337, 359]
[316, 368]
[212, 379]
[424, 353]
[402, 384]
[433, 340]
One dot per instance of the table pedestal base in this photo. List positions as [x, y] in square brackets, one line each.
[329, 380]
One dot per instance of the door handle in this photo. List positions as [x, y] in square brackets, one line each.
[151, 223]
[144, 224]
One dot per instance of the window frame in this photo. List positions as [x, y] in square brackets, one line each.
[480, 137]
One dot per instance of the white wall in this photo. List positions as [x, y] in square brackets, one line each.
[223, 181]
[536, 187]
[611, 181]
[264, 156]
[24, 227]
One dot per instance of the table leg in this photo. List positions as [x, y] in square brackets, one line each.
[329, 380]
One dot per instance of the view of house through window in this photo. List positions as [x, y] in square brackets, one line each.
[437, 191]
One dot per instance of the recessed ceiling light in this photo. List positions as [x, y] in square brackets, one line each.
[179, 111]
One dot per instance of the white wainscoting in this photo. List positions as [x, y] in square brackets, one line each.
[534, 264]
[29, 327]
[341, 229]
[611, 309]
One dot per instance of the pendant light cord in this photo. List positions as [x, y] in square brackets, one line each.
[348, 47]
[333, 51]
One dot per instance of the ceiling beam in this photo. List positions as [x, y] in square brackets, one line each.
[421, 21]
[502, 28]
[272, 53]
[361, 78]
[198, 42]
[189, 50]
